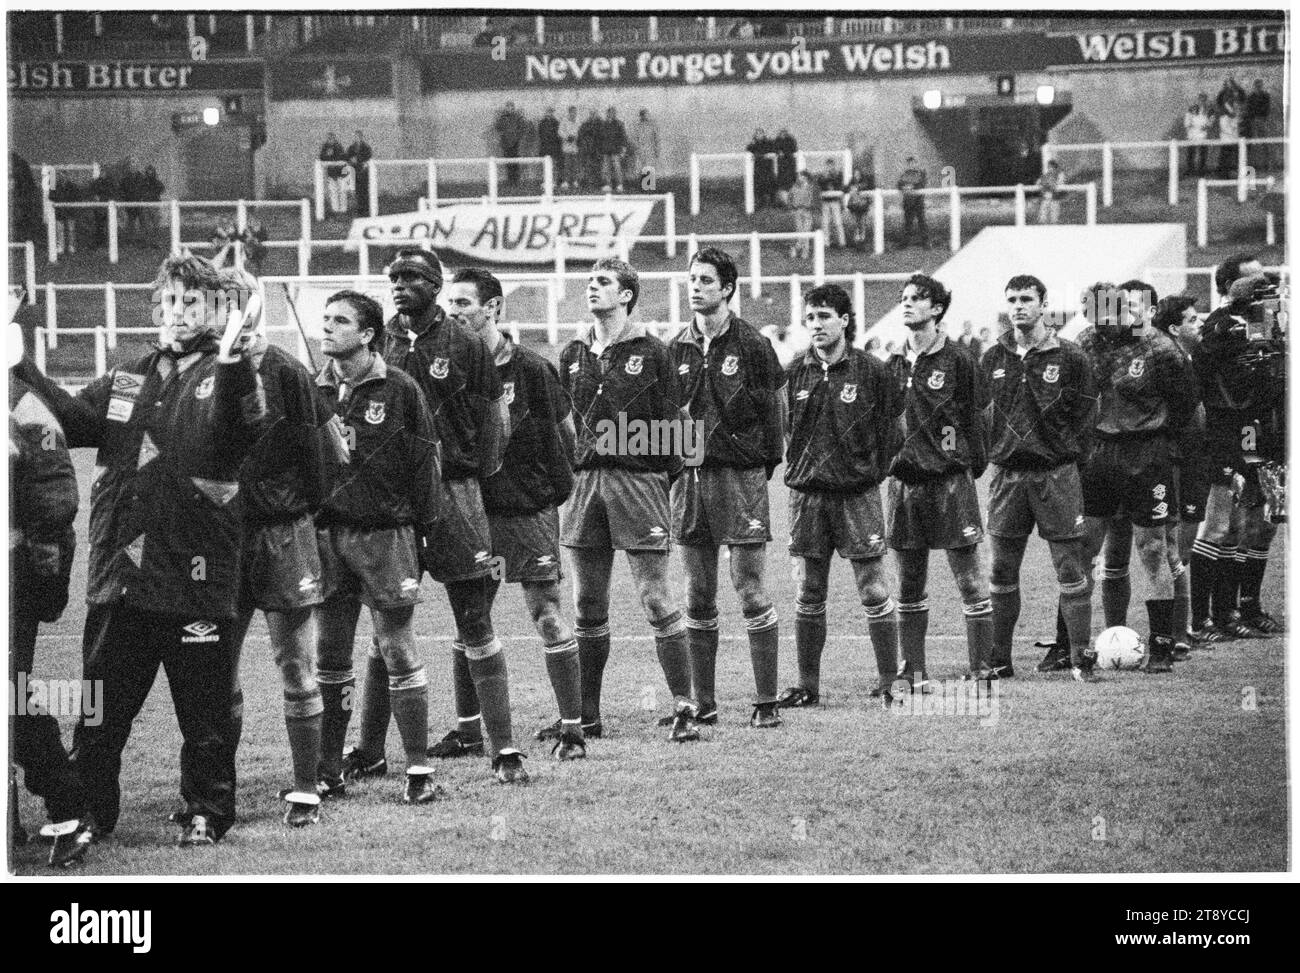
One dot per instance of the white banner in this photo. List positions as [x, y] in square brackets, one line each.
[515, 233]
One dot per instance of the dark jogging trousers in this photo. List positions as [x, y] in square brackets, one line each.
[123, 647]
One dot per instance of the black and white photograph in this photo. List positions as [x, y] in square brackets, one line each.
[667, 443]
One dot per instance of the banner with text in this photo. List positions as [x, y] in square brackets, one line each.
[839, 58]
[515, 233]
[132, 77]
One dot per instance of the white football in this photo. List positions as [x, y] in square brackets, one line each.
[1119, 647]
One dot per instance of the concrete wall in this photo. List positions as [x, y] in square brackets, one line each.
[1114, 104]
[104, 129]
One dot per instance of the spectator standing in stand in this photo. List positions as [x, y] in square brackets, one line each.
[1229, 128]
[1049, 190]
[786, 148]
[831, 192]
[334, 156]
[645, 144]
[857, 200]
[548, 141]
[764, 175]
[1254, 122]
[1196, 128]
[1230, 93]
[802, 196]
[358, 157]
[568, 132]
[613, 144]
[910, 182]
[968, 340]
[511, 128]
[589, 148]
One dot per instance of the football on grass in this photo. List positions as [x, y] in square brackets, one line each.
[1119, 647]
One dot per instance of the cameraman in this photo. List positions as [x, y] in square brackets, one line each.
[1240, 364]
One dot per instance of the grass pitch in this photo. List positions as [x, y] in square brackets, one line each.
[1137, 773]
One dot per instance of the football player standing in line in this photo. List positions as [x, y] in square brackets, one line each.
[733, 383]
[844, 408]
[172, 429]
[1042, 410]
[619, 376]
[282, 483]
[523, 497]
[1176, 317]
[456, 372]
[1145, 400]
[383, 492]
[932, 500]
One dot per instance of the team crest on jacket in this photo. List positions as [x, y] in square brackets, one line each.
[634, 364]
[730, 365]
[205, 388]
[509, 388]
[849, 394]
[1052, 374]
[935, 381]
[375, 413]
[1136, 367]
[440, 368]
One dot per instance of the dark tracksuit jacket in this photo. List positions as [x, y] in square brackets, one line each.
[634, 377]
[1142, 386]
[458, 376]
[283, 476]
[940, 389]
[735, 390]
[391, 477]
[843, 423]
[537, 470]
[1042, 408]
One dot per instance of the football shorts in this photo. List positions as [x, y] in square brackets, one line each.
[615, 509]
[852, 525]
[718, 505]
[280, 569]
[378, 565]
[1051, 500]
[942, 514]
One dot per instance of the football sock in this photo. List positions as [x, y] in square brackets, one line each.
[302, 723]
[236, 717]
[468, 708]
[913, 621]
[979, 633]
[487, 666]
[1006, 612]
[882, 625]
[1205, 565]
[336, 689]
[410, 702]
[809, 641]
[1224, 596]
[764, 642]
[566, 679]
[1062, 630]
[674, 659]
[1252, 579]
[1160, 617]
[702, 646]
[1074, 612]
[1116, 590]
[1182, 602]
[593, 653]
[375, 710]
[1239, 571]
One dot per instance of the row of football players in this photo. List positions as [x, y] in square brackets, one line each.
[315, 547]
